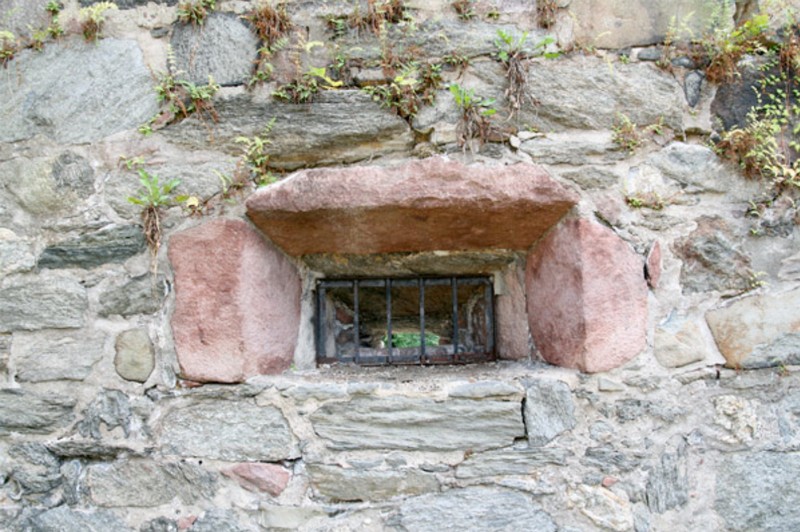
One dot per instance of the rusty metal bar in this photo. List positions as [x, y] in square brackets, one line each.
[421, 284]
[489, 316]
[321, 321]
[356, 332]
[454, 295]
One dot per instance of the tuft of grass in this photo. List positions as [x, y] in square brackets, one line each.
[195, 12]
[92, 19]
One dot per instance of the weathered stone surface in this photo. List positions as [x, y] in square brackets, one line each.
[692, 86]
[148, 483]
[252, 433]
[418, 424]
[128, 4]
[30, 412]
[697, 168]
[738, 418]
[73, 172]
[667, 483]
[135, 356]
[218, 520]
[89, 449]
[679, 342]
[140, 295]
[5, 355]
[286, 517]
[476, 508]
[608, 459]
[759, 491]
[340, 484]
[587, 298]
[439, 203]
[511, 320]
[237, 303]
[36, 188]
[652, 265]
[623, 23]
[606, 509]
[110, 408]
[711, 259]
[65, 519]
[485, 389]
[758, 331]
[223, 48]
[111, 244]
[269, 478]
[77, 93]
[572, 148]
[583, 93]
[549, 410]
[55, 355]
[521, 462]
[42, 302]
[20, 17]
[302, 136]
[591, 177]
[34, 468]
[159, 524]
[732, 101]
[479, 262]
[16, 254]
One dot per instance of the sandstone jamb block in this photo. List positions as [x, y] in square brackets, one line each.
[237, 303]
[433, 204]
[587, 298]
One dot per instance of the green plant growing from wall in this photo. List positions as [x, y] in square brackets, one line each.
[8, 47]
[255, 155]
[414, 86]
[628, 136]
[546, 13]
[511, 51]
[54, 29]
[153, 197]
[464, 8]
[195, 12]
[272, 26]
[378, 13]
[724, 48]
[476, 113]
[307, 82]
[92, 19]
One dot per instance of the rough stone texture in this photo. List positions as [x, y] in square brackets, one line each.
[711, 259]
[759, 491]
[679, 342]
[696, 168]
[623, 23]
[302, 136]
[439, 203]
[549, 410]
[140, 295]
[476, 508]
[572, 148]
[692, 87]
[110, 408]
[42, 302]
[56, 355]
[341, 484]
[40, 193]
[135, 356]
[128, 4]
[269, 478]
[511, 321]
[65, 519]
[418, 423]
[583, 93]
[16, 254]
[218, 520]
[237, 303]
[146, 483]
[486, 389]
[34, 468]
[758, 331]
[479, 262]
[591, 177]
[516, 462]
[733, 100]
[606, 509]
[668, 484]
[19, 16]
[73, 172]
[587, 298]
[50, 93]
[113, 244]
[223, 48]
[252, 433]
[30, 412]
[652, 265]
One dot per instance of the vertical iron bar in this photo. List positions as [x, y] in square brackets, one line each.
[356, 333]
[421, 284]
[489, 315]
[454, 287]
[321, 322]
[389, 318]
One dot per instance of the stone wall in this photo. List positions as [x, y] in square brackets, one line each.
[647, 377]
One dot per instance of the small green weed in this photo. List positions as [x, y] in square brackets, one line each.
[379, 12]
[8, 47]
[92, 19]
[195, 11]
[272, 25]
[153, 197]
[414, 86]
[628, 136]
[546, 13]
[255, 155]
[464, 8]
[476, 113]
[512, 52]
[645, 200]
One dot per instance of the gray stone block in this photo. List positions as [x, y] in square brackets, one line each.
[56, 355]
[30, 412]
[549, 410]
[111, 244]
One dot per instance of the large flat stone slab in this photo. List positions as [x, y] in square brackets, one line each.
[237, 303]
[419, 424]
[587, 298]
[433, 204]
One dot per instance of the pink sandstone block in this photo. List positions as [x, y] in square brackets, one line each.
[269, 478]
[237, 303]
[587, 298]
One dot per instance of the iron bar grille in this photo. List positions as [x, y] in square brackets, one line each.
[421, 320]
